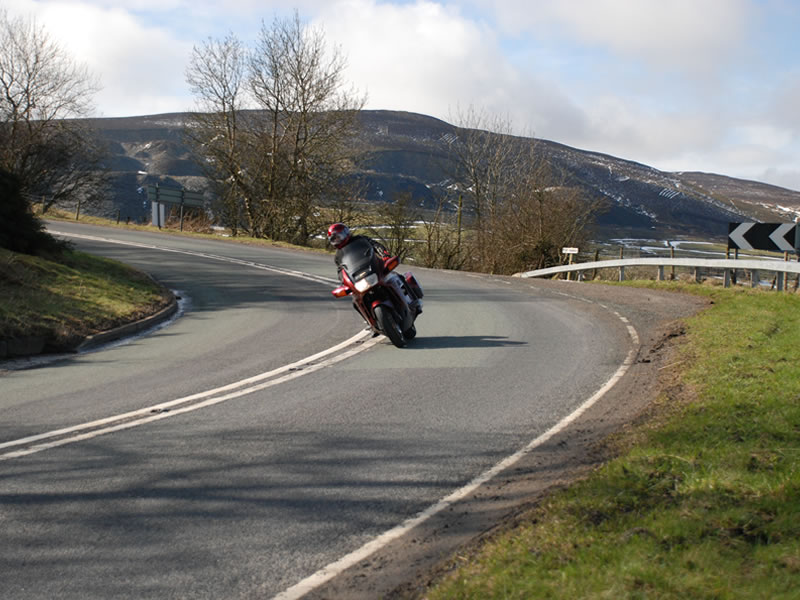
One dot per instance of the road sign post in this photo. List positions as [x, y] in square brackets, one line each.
[571, 252]
[182, 197]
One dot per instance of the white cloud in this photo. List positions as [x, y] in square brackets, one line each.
[430, 58]
[676, 34]
[140, 67]
[664, 83]
[418, 57]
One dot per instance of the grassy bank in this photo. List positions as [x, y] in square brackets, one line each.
[75, 296]
[703, 502]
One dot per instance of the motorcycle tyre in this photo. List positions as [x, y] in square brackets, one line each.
[410, 333]
[391, 328]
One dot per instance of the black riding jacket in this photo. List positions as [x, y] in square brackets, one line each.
[380, 249]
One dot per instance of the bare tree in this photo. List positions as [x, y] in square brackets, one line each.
[397, 221]
[289, 153]
[541, 215]
[299, 86]
[485, 158]
[523, 209]
[441, 247]
[52, 154]
[217, 130]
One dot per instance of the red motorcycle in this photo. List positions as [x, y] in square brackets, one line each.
[388, 302]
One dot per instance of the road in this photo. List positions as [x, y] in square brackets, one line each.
[239, 469]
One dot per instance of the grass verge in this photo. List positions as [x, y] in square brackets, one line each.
[76, 296]
[703, 501]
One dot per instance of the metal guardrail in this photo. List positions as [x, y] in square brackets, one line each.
[727, 265]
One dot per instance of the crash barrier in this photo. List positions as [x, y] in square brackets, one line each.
[729, 268]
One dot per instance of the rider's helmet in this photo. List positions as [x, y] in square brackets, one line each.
[338, 234]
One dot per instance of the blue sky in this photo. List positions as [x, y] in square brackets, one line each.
[694, 85]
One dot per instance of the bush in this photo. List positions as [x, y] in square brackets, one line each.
[20, 230]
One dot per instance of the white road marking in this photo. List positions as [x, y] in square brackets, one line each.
[332, 570]
[84, 431]
[336, 568]
[237, 261]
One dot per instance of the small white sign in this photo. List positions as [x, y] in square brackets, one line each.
[569, 251]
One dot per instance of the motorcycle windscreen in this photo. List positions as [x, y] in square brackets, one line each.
[357, 257]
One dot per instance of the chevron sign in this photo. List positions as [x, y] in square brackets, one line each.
[776, 237]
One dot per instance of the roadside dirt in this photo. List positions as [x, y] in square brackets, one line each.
[406, 568]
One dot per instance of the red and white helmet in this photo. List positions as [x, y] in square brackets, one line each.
[338, 234]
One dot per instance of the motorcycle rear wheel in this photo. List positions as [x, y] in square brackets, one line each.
[390, 326]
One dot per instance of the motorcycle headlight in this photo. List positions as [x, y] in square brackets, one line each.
[362, 285]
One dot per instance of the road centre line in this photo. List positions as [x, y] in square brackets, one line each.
[199, 400]
[237, 261]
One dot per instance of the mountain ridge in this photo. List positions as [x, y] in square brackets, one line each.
[403, 152]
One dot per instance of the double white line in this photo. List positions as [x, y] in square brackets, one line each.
[69, 435]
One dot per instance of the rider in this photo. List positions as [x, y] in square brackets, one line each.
[339, 236]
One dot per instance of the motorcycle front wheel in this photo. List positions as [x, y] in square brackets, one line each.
[391, 328]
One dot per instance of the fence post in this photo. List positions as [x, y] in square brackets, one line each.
[672, 268]
[797, 281]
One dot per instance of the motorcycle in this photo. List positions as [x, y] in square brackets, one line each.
[388, 302]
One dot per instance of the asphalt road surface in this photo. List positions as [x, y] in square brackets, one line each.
[262, 444]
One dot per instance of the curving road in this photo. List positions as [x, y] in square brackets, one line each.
[261, 437]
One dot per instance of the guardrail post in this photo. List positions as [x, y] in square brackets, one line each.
[727, 279]
[622, 273]
[754, 279]
[661, 272]
[780, 281]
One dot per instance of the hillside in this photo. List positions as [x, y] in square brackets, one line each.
[407, 152]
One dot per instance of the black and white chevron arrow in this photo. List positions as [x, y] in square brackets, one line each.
[776, 237]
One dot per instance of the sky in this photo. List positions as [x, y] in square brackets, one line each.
[679, 85]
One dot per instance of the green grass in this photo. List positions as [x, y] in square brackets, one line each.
[704, 502]
[74, 297]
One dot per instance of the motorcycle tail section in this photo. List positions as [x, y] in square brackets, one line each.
[413, 284]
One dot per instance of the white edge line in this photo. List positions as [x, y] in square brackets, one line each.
[335, 568]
